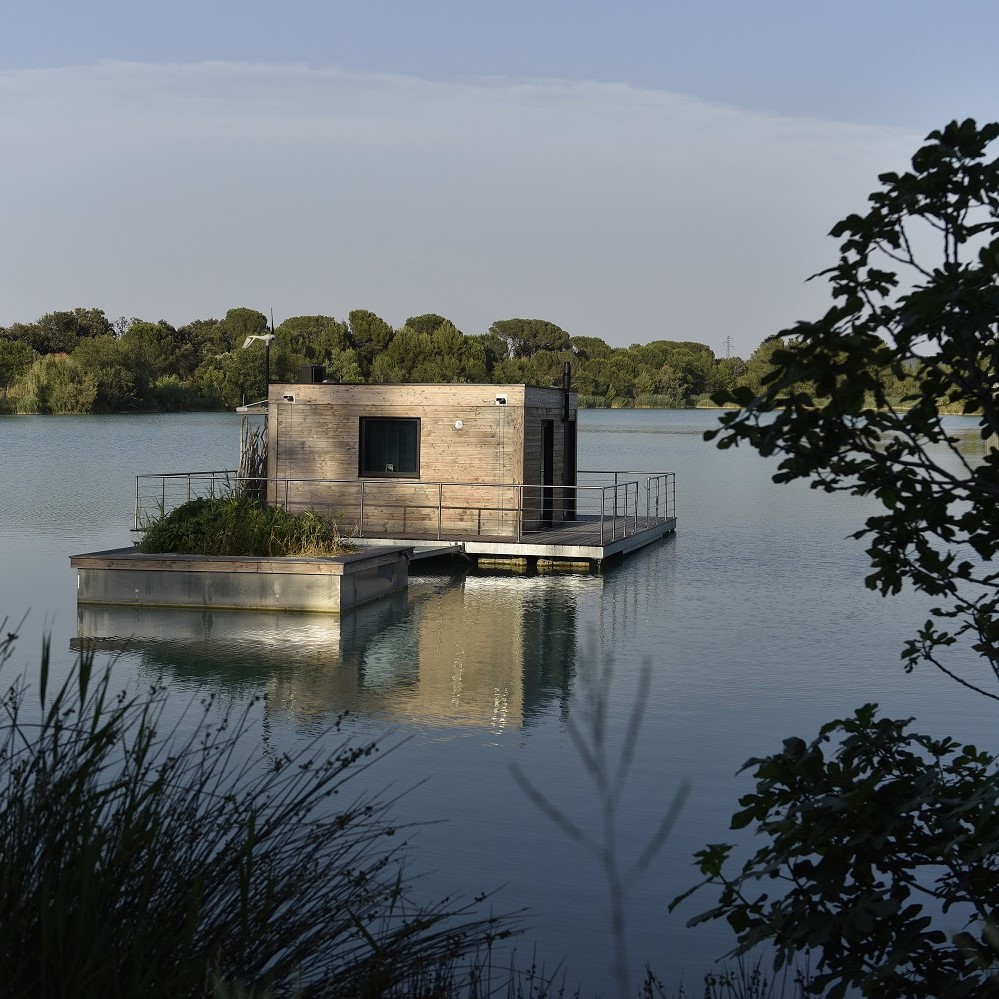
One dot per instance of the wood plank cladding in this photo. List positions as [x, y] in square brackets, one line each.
[473, 435]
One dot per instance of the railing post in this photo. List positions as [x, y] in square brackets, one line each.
[603, 498]
[360, 513]
[440, 508]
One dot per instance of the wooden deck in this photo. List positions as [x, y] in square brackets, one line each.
[578, 543]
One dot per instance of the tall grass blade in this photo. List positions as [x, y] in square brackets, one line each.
[43, 671]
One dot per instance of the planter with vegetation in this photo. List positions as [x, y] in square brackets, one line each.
[238, 553]
[244, 526]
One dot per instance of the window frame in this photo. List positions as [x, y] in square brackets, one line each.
[364, 425]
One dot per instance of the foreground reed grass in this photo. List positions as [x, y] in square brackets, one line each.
[135, 860]
[243, 525]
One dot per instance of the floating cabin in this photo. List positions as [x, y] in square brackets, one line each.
[485, 471]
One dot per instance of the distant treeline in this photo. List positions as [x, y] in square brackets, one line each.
[81, 362]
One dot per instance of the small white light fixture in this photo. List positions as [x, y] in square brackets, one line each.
[458, 424]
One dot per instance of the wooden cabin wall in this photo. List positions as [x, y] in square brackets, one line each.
[317, 436]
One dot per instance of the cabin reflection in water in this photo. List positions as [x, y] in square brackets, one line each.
[469, 651]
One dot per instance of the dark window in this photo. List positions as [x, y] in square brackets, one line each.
[390, 447]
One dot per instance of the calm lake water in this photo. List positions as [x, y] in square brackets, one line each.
[753, 619]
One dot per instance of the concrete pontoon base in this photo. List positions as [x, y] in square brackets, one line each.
[330, 585]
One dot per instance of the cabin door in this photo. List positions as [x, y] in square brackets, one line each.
[547, 472]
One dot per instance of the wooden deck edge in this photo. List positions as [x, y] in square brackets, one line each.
[507, 550]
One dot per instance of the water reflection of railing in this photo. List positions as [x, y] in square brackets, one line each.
[619, 503]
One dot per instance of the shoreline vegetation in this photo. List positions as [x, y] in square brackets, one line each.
[80, 362]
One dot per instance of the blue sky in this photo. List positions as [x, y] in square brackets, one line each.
[634, 171]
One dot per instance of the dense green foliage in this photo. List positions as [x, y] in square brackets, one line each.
[79, 362]
[871, 831]
[881, 847]
[136, 860]
[243, 525]
[931, 326]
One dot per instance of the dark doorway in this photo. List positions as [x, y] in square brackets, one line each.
[547, 472]
[569, 461]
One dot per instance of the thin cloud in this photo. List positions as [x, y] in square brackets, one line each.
[178, 191]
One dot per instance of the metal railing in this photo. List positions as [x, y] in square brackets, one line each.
[613, 500]
[174, 489]
[659, 488]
